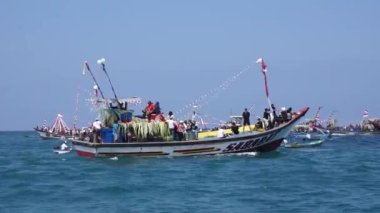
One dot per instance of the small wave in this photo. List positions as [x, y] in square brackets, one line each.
[247, 154]
[114, 158]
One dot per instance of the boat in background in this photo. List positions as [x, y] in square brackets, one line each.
[306, 139]
[59, 130]
[309, 143]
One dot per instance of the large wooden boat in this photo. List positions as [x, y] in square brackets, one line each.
[266, 141]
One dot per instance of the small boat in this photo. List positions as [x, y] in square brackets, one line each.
[309, 143]
[59, 130]
[266, 141]
[60, 151]
[305, 140]
[63, 148]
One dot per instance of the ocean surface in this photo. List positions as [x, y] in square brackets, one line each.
[341, 175]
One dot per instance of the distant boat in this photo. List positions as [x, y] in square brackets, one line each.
[305, 140]
[309, 143]
[59, 130]
[60, 152]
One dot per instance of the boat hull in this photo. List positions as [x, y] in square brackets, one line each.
[246, 142]
[305, 144]
[50, 136]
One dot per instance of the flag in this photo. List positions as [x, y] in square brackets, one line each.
[264, 70]
[263, 65]
[365, 114]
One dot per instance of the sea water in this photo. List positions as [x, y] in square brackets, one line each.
[341, 175]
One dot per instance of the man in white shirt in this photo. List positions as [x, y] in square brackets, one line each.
[171, 125]
[97, 126]
[64, 145]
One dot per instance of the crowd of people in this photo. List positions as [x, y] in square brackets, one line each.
[271, 118]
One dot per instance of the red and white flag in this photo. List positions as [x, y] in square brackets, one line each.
[365, 114]
[263, 64]
[264, 70]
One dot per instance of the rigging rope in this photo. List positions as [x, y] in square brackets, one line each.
[206, 98]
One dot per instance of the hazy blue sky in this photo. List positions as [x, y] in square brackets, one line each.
[319, 53]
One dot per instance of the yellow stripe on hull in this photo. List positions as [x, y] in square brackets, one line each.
[208, 134]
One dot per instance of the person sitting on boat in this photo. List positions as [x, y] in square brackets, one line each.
[64, 146]
[234, 128]
[259, 124]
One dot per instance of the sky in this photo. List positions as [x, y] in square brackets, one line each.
[319, 53]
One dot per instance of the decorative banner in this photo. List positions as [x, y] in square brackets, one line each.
[317, 116]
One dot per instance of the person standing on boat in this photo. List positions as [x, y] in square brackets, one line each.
[96, 127]
[266, 119]
[171, 125]
[246, 121]
[115, 131]
[181, 130]
[170, 115]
